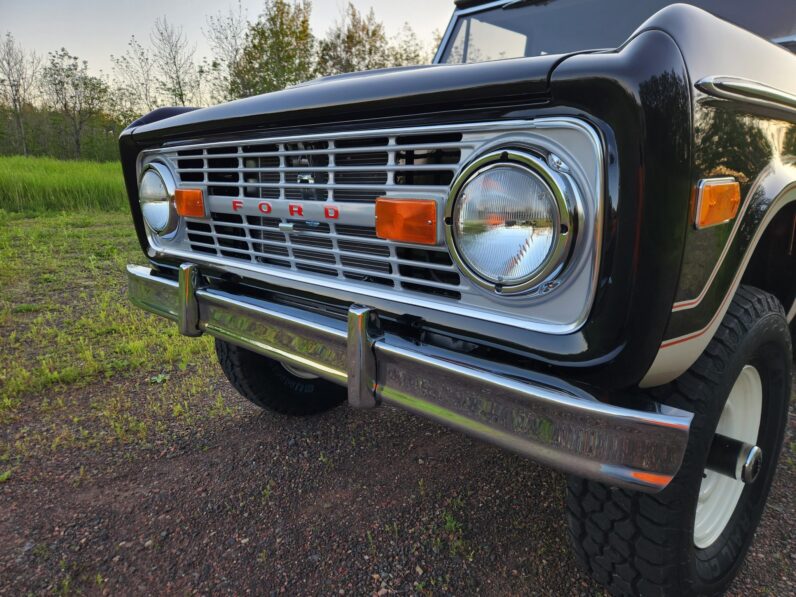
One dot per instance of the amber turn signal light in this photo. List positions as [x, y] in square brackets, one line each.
[718, 201]
[407, 220]
[190, 203]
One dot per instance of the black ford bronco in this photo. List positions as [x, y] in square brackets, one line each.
[573, 236]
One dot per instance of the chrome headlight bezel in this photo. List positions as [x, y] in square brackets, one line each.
[564, 230]
[169, 184]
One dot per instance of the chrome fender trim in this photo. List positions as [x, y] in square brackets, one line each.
[748, 91]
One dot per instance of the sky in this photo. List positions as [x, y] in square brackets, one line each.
[95, 29]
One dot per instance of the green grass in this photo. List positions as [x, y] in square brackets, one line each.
[80, 367]
[38, 185]
[66, 323]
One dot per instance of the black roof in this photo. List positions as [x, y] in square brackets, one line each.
[771, 19]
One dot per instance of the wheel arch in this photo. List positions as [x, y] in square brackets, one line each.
[776, 253]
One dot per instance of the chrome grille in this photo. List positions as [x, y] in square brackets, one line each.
[345, 170]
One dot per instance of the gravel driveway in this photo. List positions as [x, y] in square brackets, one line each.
[349, 502]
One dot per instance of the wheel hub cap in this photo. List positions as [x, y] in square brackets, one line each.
[719, 494]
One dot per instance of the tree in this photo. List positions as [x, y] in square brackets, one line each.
[354, 43]
[18, 74]
[226, 34]
[73, 93]
[178, 76]
[407, 50]
[278, 50]
[135, 78]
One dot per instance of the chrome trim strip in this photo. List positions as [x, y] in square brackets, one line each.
[746, 90]
[541, 418]
[562, 310]
[792, 312]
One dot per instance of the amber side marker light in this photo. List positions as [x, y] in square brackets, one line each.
[190, 203]
[718, 201]
[407, 220]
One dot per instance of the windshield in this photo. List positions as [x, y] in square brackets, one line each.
[541, 27]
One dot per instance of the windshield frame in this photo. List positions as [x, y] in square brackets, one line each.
[460, 12]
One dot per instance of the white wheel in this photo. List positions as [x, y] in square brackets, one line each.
[719, 494]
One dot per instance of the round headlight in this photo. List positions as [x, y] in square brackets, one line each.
[156, 196]
[508, 222]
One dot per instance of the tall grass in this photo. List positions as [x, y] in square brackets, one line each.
[36, 185]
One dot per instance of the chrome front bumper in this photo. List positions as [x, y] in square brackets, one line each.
[545, 419]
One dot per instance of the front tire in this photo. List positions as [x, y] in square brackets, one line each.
[272, 386]
[668, 544]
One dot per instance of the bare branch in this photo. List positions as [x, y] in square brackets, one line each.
[18, 76]
[174, 58]
[135, 76]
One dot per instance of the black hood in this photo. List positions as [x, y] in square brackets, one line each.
[434, 87]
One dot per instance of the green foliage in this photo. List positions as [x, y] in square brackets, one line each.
[72, 267]
[355, 43]
[80, 115]
[18, 80]
[226, 34]
[73, 93]
[35, 185]
[407, 50]
[44, 135]
[84, 332]
[278, 50]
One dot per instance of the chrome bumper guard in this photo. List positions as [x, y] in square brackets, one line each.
[553, 423]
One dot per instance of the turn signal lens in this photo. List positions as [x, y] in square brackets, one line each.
[190, 203]
[407, 220]
[717, 202]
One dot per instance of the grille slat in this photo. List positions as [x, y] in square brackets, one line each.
[382, 187]
[299, 244]
[371, 168]
[348, 150]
